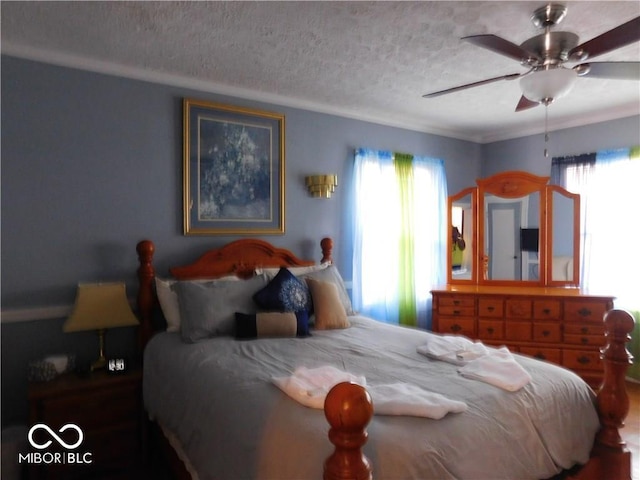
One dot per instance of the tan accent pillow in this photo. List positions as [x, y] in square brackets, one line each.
[276, 324]
[328, 308]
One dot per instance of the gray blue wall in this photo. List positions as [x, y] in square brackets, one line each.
[92, 163]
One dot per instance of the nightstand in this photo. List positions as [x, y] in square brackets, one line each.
[106, 408]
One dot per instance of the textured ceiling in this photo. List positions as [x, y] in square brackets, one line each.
[366, 60]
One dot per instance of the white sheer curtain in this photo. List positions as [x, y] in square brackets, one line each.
[610, 224]
[377, 230]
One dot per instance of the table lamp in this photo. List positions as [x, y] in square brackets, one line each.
[100, 306]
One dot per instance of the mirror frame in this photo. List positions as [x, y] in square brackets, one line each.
[511, 184]
[550, 189]
[515, 184]
[473, 192]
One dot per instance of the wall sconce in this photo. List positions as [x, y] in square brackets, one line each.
[321, 186]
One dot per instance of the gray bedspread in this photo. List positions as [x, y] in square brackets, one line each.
[216, 397]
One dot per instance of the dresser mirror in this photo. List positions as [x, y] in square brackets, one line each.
[462, 261]
[514, 229]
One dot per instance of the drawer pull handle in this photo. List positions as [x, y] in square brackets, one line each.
[583, 360]
[546, 311]
[456, 312]
[491, 309]
[455, 327]
[585, 312]
[584, 340]
[490, 330]
[456, 302]
[584, 330]
[540, 356]
[546, 333]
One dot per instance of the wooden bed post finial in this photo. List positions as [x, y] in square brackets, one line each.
[146, 274]
[326, 244]
[348, 409]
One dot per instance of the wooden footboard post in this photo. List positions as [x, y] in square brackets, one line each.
[613, 401]
[348, 409]
[610, 457]
[146, 274]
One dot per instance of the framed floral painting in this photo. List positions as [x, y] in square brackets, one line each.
[233, 170]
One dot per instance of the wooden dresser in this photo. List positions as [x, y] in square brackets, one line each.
[561, 325]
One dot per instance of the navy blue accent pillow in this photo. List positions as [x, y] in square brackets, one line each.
[302, 317]
[284, 293]
[246, 326]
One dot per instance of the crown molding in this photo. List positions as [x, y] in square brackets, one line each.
[136, 73]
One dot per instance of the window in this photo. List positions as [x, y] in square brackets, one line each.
[399, 235]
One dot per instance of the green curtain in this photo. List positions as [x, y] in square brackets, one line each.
[403, 164]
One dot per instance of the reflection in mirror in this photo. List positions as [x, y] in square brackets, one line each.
[462, 236]
[512, 238]
[562, 243]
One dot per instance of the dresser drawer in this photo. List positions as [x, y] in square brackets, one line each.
[541, 353]
[459, 326]
[585, 329]
[518, 331]
[452, 301]
[518, 308]
[547, 332]
[584, 311]
[581, 359]
[490, 308]
[455, 311]
[593, 340]
[490, 329]
[546, 309]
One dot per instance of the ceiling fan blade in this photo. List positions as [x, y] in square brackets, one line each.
[615, 38]
[471, 85]
[525, 104]
[502, 46]
[614, 70]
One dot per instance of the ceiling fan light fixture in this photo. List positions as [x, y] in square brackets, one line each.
[545, 86]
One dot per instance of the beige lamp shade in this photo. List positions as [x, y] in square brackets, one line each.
[100, 306]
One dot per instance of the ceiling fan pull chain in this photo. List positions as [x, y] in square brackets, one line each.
[546, 130]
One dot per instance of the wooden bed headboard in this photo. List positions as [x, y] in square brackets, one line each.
[240, 257]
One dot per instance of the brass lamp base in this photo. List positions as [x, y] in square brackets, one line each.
[101, 362]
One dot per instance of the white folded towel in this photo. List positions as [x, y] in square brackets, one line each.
[411, 400]
[309, 386]
[498, 368]
[455, 349]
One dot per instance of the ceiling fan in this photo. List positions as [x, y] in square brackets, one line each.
[546, 54]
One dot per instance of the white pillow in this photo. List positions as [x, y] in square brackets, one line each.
[272, 272]
[169, 299]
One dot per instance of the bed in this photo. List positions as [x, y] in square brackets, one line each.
[219, 403]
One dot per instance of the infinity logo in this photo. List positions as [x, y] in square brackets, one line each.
[53, 434]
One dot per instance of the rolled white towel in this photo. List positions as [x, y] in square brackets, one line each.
[411, 400]
[498, 368]
[455, 349]
[309, 386]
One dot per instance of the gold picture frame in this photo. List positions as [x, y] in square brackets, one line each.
[234, 170]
